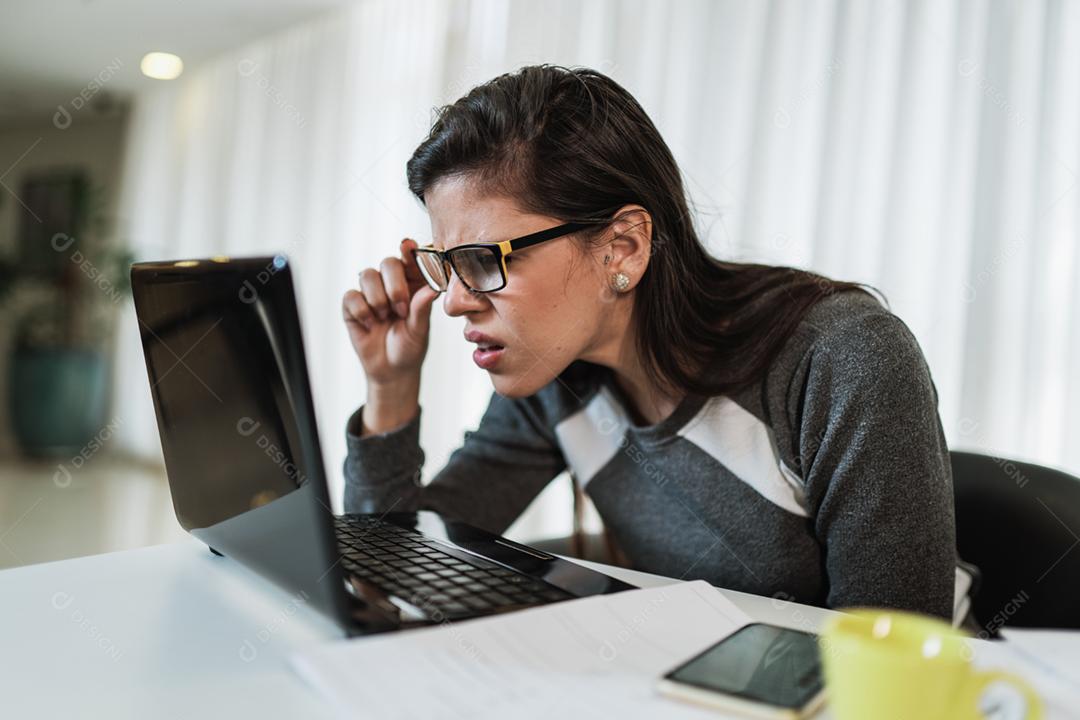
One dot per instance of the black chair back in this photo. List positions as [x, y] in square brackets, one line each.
[1020, 524]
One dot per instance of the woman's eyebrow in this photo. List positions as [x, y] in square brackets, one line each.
[444, 248]
[482, 237]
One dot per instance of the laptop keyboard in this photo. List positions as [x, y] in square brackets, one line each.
[430, 574]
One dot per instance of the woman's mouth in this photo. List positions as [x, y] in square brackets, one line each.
[488, 350]
[487, 357]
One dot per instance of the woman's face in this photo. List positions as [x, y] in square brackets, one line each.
[556, 306]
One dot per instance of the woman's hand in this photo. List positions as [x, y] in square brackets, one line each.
[388, 321]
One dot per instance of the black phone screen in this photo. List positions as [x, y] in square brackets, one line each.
[765, 663]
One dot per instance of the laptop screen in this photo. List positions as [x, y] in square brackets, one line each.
[225, 361]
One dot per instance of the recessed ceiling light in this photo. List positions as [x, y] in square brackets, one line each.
[161, 66]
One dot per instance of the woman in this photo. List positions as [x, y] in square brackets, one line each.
[764, 428]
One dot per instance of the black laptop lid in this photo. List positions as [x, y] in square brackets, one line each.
[225, 360]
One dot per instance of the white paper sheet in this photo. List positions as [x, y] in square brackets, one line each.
[593, 657]
[1056, 650]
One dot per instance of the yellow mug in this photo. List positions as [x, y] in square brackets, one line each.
[887, 664]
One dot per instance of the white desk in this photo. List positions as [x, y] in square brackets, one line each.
[174, 631]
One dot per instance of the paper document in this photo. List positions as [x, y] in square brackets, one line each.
[1056, 650]
[593, 657]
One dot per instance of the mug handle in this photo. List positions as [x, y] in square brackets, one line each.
[979, 681]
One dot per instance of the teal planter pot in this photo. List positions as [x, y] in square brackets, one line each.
[58, 399]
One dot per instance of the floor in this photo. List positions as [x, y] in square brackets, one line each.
[50, 511]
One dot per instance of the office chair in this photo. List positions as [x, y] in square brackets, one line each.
[1019, 523]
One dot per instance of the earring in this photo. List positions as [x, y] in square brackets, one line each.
[620, 281]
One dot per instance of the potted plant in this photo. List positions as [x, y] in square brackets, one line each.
[65, 291]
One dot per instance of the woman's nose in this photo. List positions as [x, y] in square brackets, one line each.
[458, 299]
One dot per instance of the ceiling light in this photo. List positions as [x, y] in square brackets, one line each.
[161, 66]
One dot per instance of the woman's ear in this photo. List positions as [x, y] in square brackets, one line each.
[629, 243]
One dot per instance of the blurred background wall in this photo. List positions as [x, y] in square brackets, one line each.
[927, 148]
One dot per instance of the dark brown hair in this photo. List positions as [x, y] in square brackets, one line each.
[571, 143]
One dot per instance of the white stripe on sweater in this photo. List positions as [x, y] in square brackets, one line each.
[734, 437]
[737, 439]
[746, 446]
[590, 437]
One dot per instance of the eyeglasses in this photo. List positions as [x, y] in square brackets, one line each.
[481, 267]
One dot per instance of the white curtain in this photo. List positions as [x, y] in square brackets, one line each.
[928, 148]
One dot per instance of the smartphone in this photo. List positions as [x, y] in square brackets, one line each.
[759, 671]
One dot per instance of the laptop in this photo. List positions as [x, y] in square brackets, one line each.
[226, 365]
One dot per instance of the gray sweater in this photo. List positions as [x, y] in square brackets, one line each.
[828, 482]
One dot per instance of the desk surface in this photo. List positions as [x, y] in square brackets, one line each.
[174, 631]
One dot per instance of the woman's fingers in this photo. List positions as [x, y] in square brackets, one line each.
[397, 288]
[371, 285]
[387, 291]
[356, 310]
[412, 270]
